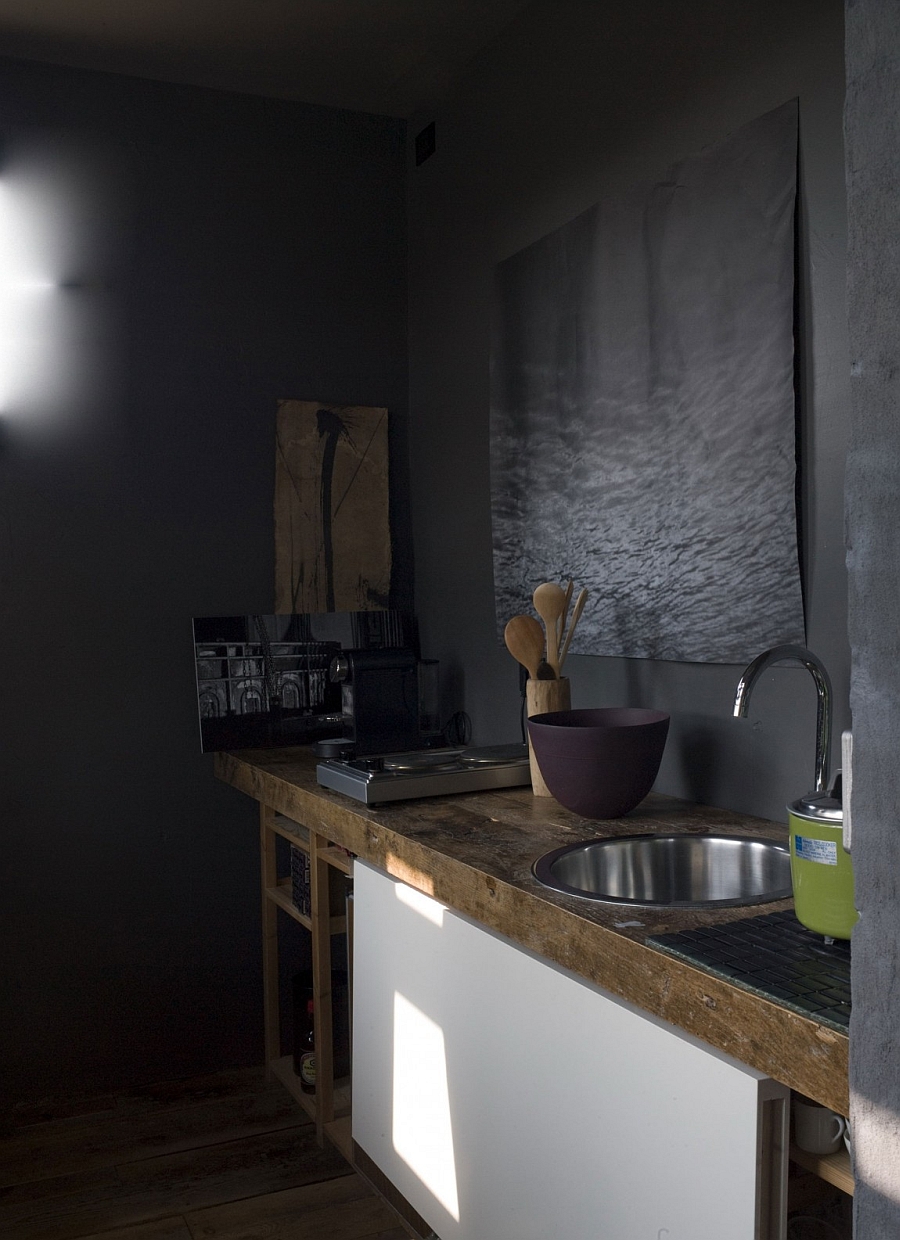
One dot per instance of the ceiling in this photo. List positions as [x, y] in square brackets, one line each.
[392, 57]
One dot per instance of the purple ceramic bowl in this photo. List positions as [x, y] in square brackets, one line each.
[599, 763]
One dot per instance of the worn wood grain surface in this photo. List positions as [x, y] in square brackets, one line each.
[332, 1210]
[225, 1157]
[474, 853]
[49, 1149]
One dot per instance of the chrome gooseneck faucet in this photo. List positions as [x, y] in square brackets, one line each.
[795, 654]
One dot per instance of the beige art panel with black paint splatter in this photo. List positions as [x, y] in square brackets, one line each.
[332, 525]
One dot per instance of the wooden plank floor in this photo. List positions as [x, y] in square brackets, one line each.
[226, 1157]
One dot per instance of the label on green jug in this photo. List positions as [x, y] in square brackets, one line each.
[822, 851]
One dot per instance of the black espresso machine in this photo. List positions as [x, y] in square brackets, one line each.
[381, 702]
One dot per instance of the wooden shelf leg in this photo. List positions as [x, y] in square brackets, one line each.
[271, 1017]
[320, 913]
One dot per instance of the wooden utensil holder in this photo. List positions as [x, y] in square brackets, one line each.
[542, 696]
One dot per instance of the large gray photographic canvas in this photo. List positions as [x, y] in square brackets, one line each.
[643, 431]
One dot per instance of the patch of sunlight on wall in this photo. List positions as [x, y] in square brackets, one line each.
[422, 1131]
[876, 1140]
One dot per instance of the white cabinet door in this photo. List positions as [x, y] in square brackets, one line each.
[509, 1100]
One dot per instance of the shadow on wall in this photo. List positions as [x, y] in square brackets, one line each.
[699, 748]
[695, 749]
[453, 721]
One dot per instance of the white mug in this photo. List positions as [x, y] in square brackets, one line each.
[816, 1129]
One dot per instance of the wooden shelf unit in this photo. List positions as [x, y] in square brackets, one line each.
[835, 1168]
[339, 1134]
[283, 1070]
[283, 897]
[338, 858]
[329, 1106]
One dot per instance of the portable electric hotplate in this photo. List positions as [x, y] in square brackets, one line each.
[426, 773]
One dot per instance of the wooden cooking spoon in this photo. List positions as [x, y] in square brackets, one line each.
[525, 642]
[561, 623]
[550, 603]
[576, 616]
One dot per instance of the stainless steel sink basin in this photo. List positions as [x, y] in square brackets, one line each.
[683, 871]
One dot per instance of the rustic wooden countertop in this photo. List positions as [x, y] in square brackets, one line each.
[474, 852]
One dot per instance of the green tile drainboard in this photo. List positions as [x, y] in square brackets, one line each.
[776, 957]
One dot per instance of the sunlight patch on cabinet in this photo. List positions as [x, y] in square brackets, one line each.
[422, 1127]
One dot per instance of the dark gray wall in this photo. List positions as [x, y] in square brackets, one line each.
[873, 503]
[228, 251]
[575, 100]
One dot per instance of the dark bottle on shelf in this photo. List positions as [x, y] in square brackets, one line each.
[307, 1066]
[302, 987]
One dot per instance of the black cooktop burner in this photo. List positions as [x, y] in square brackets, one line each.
[426, 772]
[421, 760]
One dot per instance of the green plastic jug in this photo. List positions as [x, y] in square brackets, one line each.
[821, 871]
